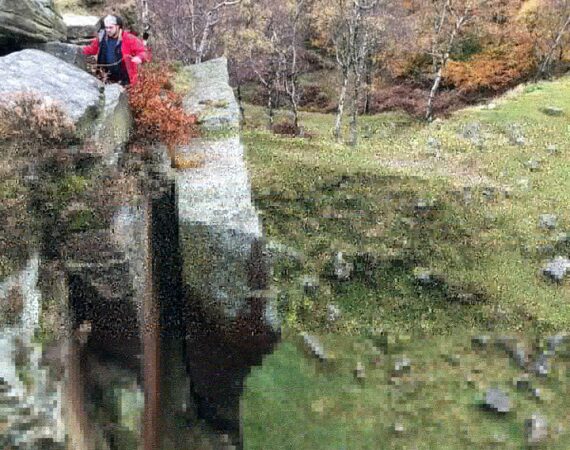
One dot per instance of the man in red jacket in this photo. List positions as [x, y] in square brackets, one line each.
[118, 52]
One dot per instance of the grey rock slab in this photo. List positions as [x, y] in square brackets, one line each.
[79, 27]
[481, 341]
[113, 127]
[30, 21]
[70, 53]
[34, 72]
[552, 111]
[218, 225]
[536, 430]
[554, 342]
[210, 97]
[314, 347]
[310, 285]
[556, 268]
[342, 269]
[333, 312]
[402, 365]
[541, 367]
[548, 221]
[497, 400]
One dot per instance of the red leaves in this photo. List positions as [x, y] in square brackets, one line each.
[158, 111]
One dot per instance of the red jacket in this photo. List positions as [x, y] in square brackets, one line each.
[131, 46]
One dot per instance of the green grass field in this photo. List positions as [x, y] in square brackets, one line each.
[320, 197]
[460, 198]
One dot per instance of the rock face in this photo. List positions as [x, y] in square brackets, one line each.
[36, 72]
[211, 98]
[100, 112]
[80, 27]
[30, 411]
[220, 231]
[24, 21]
[70, 53]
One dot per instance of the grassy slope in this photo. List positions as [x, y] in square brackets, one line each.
[484, 247]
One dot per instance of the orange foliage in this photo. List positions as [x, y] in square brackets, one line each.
[493, 70]
[158, 111]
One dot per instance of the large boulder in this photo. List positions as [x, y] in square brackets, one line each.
[70, 53]
[101, 113]
[24, 21]
[80, 27]
[38, 73]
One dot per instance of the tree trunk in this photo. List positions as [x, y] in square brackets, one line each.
[433, 91]
[353, 121]
[555, 45]
[270, 110]
[340, 110]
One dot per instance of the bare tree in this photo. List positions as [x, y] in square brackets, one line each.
[289, 57]
[449, 19]
[558, 22]
[351, 40]
[186, 29]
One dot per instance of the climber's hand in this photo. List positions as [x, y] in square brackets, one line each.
[136, 60]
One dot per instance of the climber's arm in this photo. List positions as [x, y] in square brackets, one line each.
[91, 49]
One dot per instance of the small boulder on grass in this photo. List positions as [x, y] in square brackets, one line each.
[556, 269]
[497, 400]
[547, 221]
[552, 111]
[536, 430]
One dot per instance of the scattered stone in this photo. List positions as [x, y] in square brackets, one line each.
[333, 312]
[533, 165]
[472, 132]
[360, 372]
[342, 269]
[454, 360]
[520, 355]
[541, 367]
[434, 147]
[423, 205]
[278, 250]
[547, 221]
[314, 347]
[310, 285]
[423, 276]
[489, 193]
[507, 192]
[552, 111]
[524, 184]
[467, 194]
[491, 105]
[522, 383]
[536, 430]
[399, 428]
[481, 341]
[497, 400]
[402, 365]
[556, 268]
[553, 342]
[551, 149]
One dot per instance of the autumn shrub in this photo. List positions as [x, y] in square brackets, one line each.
[314, 98]
[285, 127]
[158, 111]
[492, 71]
[412, 99]
[34, 121]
